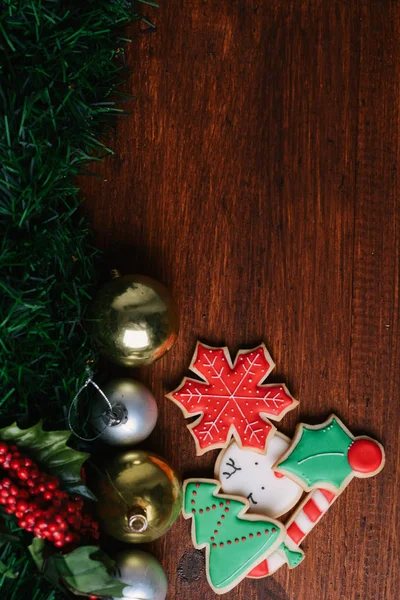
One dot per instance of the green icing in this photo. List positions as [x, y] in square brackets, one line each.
[231, 561]
[293, 557]
[320, 455]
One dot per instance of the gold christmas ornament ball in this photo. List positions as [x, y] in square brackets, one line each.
[133, 320]
[139, 496]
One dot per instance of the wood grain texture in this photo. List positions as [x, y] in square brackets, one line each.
[257, 176]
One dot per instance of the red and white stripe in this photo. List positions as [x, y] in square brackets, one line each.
[303, 520]
[268, 566]
[308, 514]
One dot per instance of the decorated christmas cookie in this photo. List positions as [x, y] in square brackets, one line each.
[307, 515]
[250, 474]
[328, 456]
[286, 553]
[321, 459]
[231, 399]
[235, 541]
[302, 521]
[324, 459]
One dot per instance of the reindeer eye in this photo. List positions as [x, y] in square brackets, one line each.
[231, 465]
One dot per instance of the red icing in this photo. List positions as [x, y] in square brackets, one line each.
[295, 533]
[311, 510]
[278, 475]
[232, 396]
[260, 570]
[365, 456]
[328, 495]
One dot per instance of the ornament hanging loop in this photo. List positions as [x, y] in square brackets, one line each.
[109, 412]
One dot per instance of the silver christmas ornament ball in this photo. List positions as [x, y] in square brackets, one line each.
[133, 415]
[143, 574]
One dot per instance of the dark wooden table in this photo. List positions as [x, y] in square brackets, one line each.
[257, 177]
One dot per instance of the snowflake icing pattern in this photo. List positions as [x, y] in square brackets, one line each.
[231, 399]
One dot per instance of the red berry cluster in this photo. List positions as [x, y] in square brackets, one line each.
[38, 503]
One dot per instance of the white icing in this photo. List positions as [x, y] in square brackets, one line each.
[275, 561]
[249, 474]
[303, 522]
[320, 501]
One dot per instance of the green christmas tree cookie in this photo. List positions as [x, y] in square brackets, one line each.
[234, 540]
[328, 456]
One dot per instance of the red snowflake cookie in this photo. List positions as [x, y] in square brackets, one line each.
[230, 399]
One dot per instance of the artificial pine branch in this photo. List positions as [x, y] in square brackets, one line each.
[58, 78]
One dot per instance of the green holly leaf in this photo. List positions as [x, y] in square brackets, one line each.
[42, 556]
[87, 570]
[36, 549]
[81, 489]
[318, 456]
[49, 449]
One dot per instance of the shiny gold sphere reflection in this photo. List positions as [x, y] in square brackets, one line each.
[139, 496]
[134, 320]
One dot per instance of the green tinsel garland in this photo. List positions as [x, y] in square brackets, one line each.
[58, 74]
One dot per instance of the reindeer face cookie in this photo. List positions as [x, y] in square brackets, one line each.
[250, 474]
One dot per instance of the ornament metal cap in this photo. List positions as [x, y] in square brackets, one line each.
[130, 415]
[115, 416]
[137, 520]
